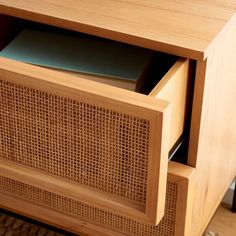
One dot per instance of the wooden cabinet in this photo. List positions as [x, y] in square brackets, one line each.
[93, 159]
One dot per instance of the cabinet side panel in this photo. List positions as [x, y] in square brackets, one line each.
[213, 129]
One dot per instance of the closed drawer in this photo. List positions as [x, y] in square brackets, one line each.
[78, 217]
[99, 144]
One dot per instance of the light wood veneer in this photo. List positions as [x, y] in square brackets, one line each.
[203, 32]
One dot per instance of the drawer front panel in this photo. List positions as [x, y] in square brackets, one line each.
[108, 139]
[80, 217]
[95, 215]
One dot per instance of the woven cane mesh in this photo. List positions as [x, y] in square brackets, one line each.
[81, 142]
[95, 215]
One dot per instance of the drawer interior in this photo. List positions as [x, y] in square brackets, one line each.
[159, 75]
[157, 64]
[109, 143]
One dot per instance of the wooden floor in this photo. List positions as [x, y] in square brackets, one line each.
[223, 223]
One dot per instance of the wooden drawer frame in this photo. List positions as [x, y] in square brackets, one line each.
[151, 108]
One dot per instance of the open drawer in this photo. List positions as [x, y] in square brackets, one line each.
[92, 142]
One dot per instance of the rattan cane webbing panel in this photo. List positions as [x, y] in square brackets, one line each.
[95, 215]
[81, 142]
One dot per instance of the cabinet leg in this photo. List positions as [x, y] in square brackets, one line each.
[234, 199]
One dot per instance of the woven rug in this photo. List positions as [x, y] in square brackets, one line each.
[15, 225]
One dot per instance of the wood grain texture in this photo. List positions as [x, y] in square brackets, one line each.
[174, 88]
[213, 130]
[179, 27]
[224, 4]
[202, 30]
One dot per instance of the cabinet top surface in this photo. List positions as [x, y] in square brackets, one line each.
[185, 28]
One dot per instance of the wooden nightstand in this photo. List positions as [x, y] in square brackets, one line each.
[93, 159]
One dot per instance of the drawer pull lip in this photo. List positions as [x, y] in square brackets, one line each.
[72, 87]
[174, 88]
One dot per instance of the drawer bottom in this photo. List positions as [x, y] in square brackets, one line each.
[87, 217]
